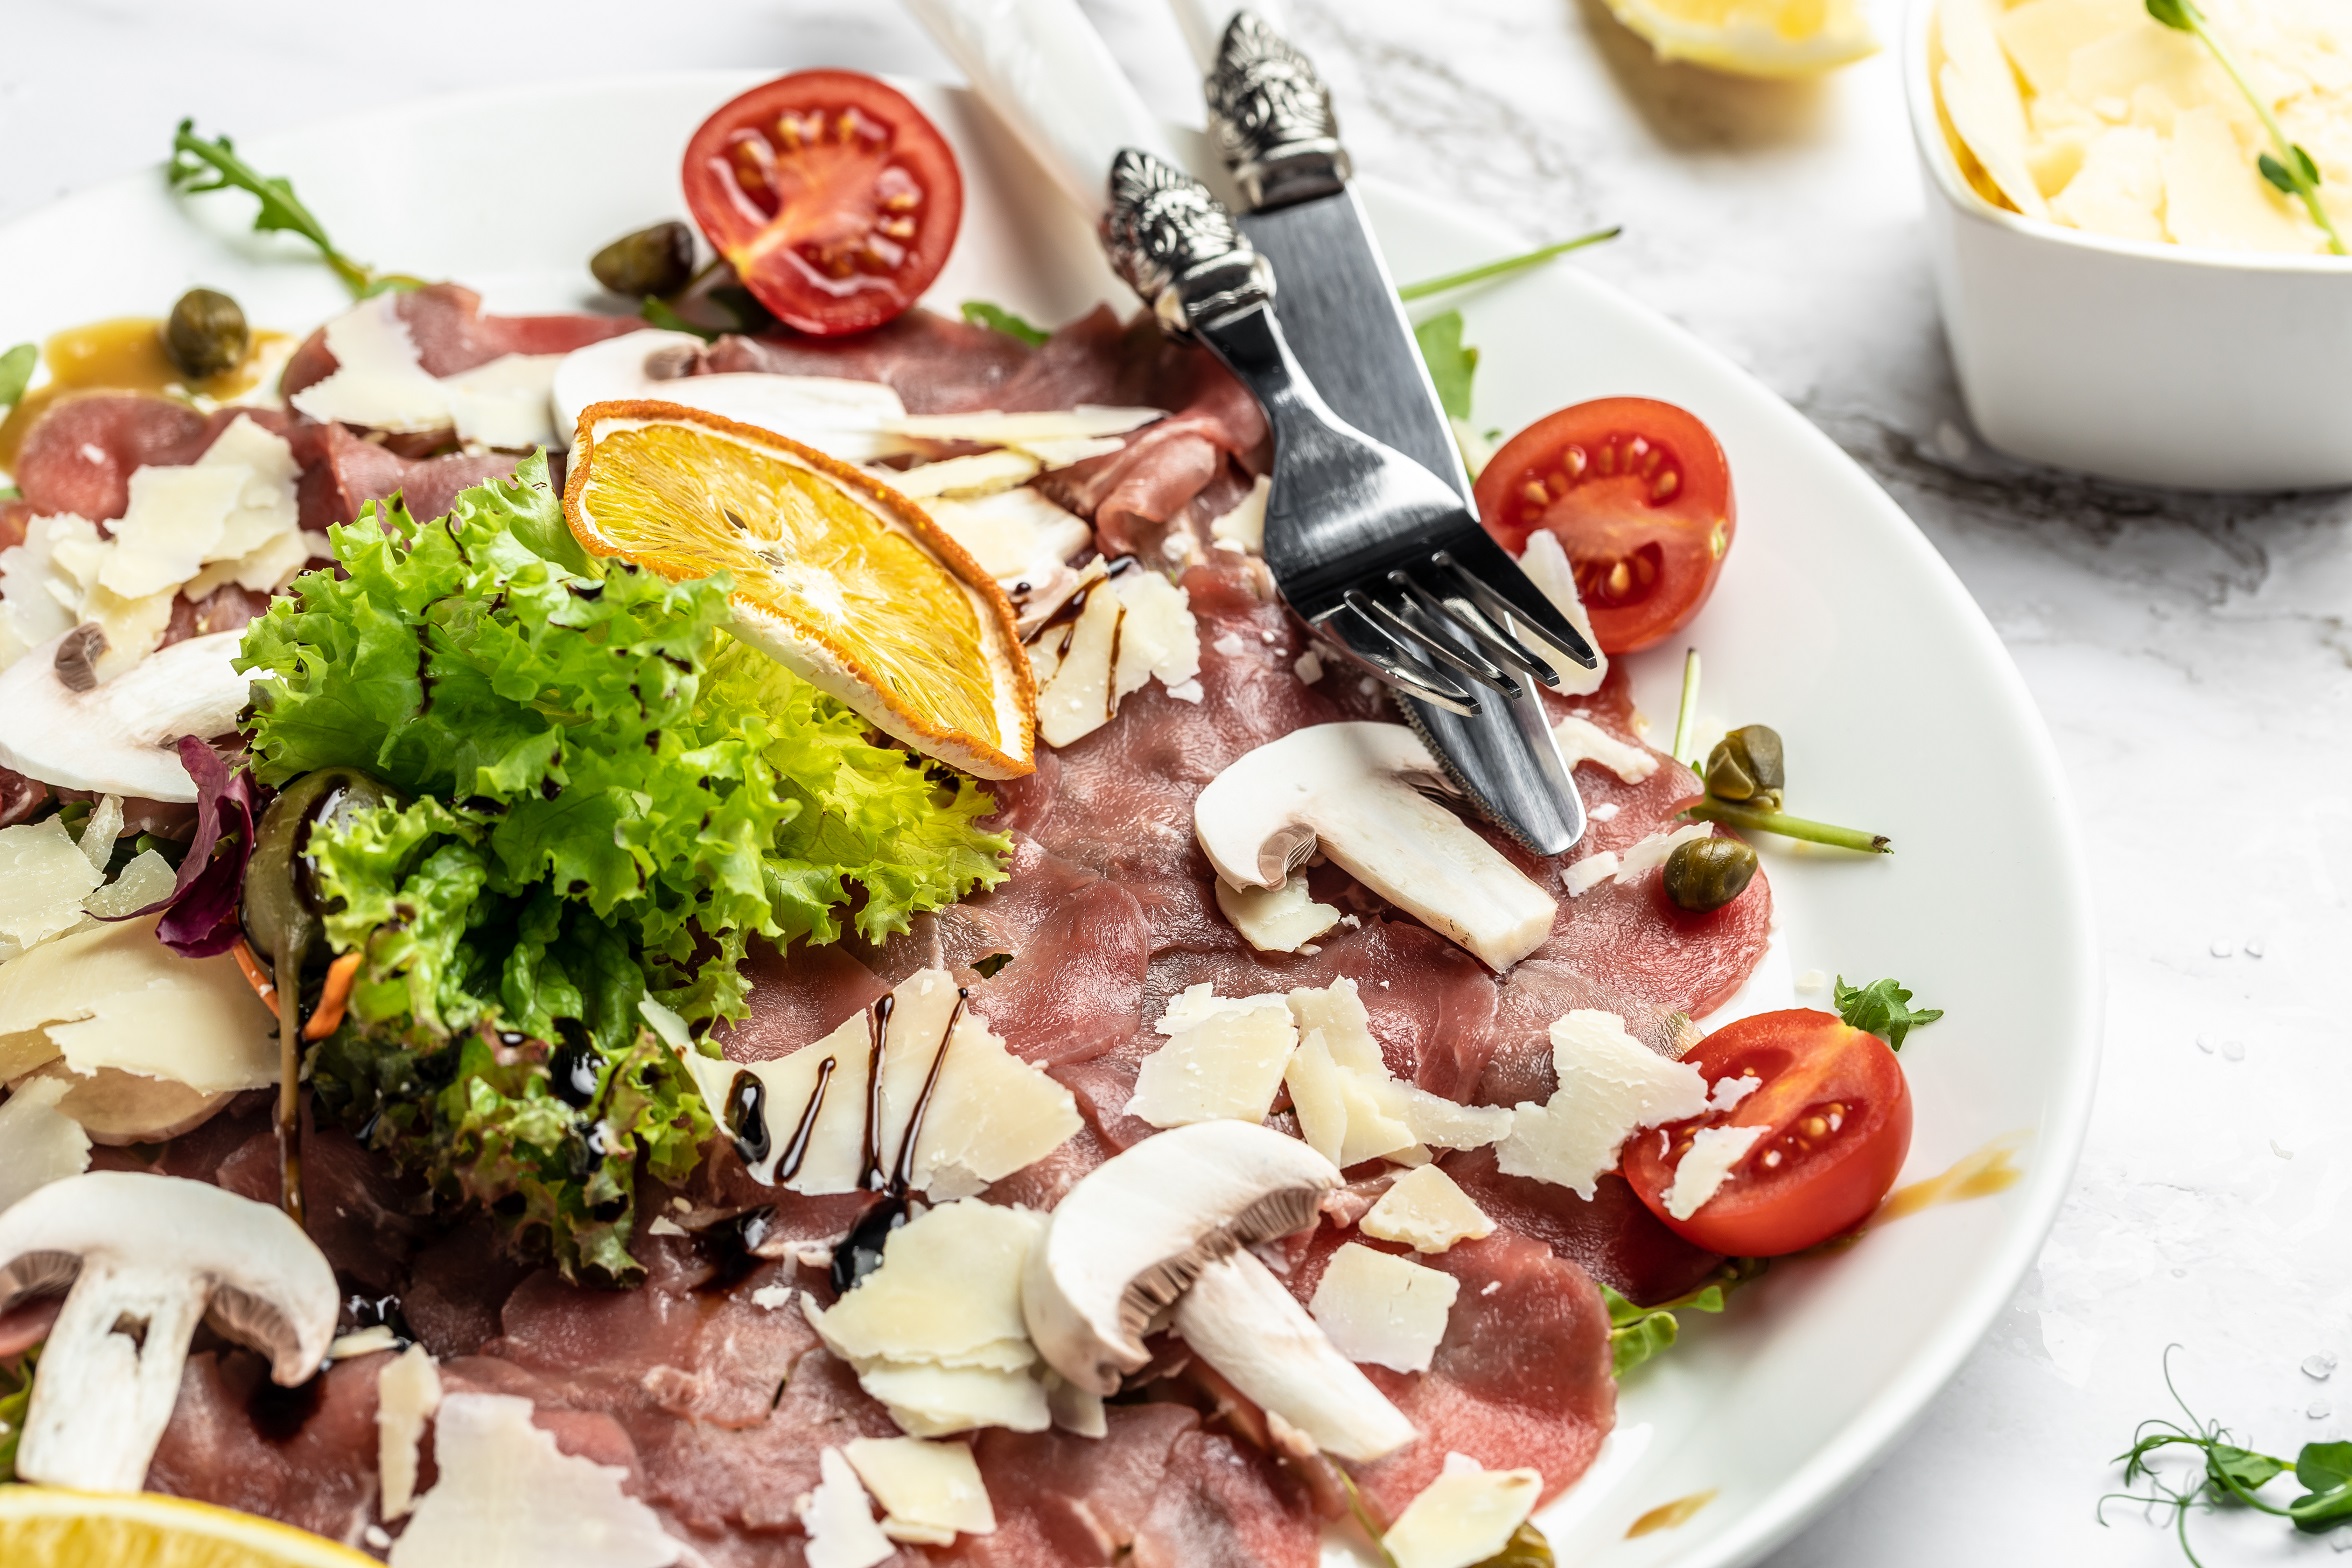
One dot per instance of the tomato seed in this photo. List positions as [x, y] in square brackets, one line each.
[1665, 485]
[1576, 460]
[1534, 492]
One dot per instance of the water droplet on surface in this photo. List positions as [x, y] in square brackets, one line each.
[2319, 1367]
[2205, 1044]
[2320, 1410]
[2253, 947]
[2235, 1050]
[2281, 1150]
[2222, 947]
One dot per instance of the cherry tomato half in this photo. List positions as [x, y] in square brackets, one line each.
[1835, 1116]
[1639, 496]
[834, 198]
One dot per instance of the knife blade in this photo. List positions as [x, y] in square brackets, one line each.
[1274, 127]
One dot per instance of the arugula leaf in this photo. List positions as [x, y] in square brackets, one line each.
[16, 1397]
[2179, 15]
[1637, 1333]
[998, 319]
[606, 798]
[199, 165]
[1451, 364]
[16, 373]
[1883, 1008]
[659, 312]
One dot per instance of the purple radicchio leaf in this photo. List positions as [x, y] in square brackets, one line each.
[200, 912]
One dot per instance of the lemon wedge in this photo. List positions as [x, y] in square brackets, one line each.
[1774, 38]
[48, 1527]
[841, 579]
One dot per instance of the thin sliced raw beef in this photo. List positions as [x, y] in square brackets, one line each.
[1612, 1237]
[1539, 991]
[935, 365]
[457, 1284]
[306, 1456]
[799, 994]
[1064, 1501]
[453, 333]
[1221, 1505]
[1521, 1378]
[343, 471]
[80, 454]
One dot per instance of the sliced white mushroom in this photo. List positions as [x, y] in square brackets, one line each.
[62, 725]
[1356, 791]
[1167, 1225]
[148, 1258]
[843, 418]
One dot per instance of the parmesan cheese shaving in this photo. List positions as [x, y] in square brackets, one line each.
[1351, 1107]
[44, 877]
[408, 1391]
[1225, 1057]
[1546, 565]
[1426, 1211]
[839, 1519]
[1465, 1516]
[113, 997]
[1581, 740]
[1136, 626]
[1653, 852]
[989, 427]
[1610, 1086]
[39, 1143]
[930, 1492]
[508, 1497]
[1244, 527]
[1276, 920]
[1706, 1166]
[1383, 1309]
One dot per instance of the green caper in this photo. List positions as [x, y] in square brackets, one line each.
[281, 902]
[658, 260]
[206, 333]
[1745, 766]
[1708, 873]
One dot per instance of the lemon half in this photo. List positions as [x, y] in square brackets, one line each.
[49, 1527]
[838, 577]
[1774, 38]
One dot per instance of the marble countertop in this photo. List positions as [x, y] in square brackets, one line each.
[2193, 656]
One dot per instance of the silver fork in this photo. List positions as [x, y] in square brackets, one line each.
[1371, 549]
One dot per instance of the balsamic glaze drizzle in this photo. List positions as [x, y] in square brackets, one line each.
[747, 1119]
[860, 1252]
[797, 1150]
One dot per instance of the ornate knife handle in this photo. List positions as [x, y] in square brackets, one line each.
[1273, 118]
[1177, 246]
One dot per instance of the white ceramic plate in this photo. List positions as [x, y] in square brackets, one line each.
[1835, 622]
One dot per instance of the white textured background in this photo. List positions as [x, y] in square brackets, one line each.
[2191, 656]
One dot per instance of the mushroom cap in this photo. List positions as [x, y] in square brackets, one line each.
[117, 737]
[268, 1285]
[1128, 1239]
[1264, 812]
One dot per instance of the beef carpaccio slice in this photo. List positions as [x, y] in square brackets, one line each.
[706, 1386]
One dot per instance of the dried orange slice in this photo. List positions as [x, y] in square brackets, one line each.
[841, 579]
[44, 1527]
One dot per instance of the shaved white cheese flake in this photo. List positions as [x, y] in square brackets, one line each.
[1610, 1086]
[948, 1290]
[368, 1341]
[1466, 1515]
[990, 427]
[40, 594]
[930, 1492]
[115, 1107]
[1244, 528]
[1075, 1409]
[1582, 876]
[44, 876]
[1653, 852]
[172, 526]
[1338, 1116]
[1980, 96]
[104, 826]
[1016, 535]
[508, 1497]
[1382, 1309]
[1546, 565]
[1225, 1057]
[378, 381]
[1706, 1166]
[1351, 1107]
[39, 1143]
[1581, 740]
[1729, 1092]
[1136, 626]
[1276, 920]
[1427, 1211]
[962, 478]
[112, 996]
[840, 1520]
[930, 1400]
[146, 879]
[506, 403]
[408, 1391]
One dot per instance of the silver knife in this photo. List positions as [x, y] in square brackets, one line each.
[1274, 126]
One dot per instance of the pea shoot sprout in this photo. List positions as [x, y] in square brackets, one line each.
[2230, 1474]
[2287, 166]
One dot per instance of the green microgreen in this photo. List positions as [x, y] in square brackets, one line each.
[199, 164]
[16, 1397]
[1452, 363]
[2230, 1474]
[659, 312]
[2287, 166]
[1750, 820]
[1686, 714]
[1883, 1008]
[16, 373]
[1637, 1333]
[996, 318]
[1507, 265]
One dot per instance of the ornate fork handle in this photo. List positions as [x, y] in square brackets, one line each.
[1273, 118]
[1177, 246]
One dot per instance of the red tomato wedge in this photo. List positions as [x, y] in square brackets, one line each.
[1834, 1115]
[1639, 495]
[832, 196]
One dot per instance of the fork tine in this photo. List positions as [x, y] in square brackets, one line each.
[1358, 638]
[1474, 631]
[1430, 647]
[1479, 578]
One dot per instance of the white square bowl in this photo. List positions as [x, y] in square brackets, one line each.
[2152, 364]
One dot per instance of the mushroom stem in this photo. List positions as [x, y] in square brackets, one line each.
[110, 1376]
[1241, 1320]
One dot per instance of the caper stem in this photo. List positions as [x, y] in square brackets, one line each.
[1506, 266]
[1748, 819]
[1688, 713]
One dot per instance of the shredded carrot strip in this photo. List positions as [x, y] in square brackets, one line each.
[333, 999]
[256, 975]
